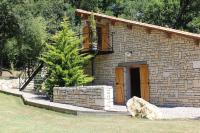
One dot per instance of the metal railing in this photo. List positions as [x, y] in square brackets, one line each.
[28, 74]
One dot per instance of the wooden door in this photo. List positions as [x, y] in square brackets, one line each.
[119, 80]
[144, 82]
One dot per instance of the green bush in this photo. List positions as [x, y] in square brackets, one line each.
[64, 62]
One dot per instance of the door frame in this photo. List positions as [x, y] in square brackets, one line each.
[144, 80]
[126, 86]
[130, 84]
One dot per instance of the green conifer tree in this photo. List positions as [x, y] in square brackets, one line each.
[64, 62]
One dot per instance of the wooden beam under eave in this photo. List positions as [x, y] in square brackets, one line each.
[130, 27]
[148, 30]
[196, 42]
[84, 17]
[113, 23]
[168, 34]
[98, 19]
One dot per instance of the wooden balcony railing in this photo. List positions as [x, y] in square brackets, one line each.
[99, 46]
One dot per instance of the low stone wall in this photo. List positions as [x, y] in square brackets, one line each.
[9, 83]
[94, 97]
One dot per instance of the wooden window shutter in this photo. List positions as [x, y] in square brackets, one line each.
[119, 89]
[105, 37]
[144, 82]
[86, 40]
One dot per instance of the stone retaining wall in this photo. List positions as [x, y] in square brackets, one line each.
[9, 83]
[94, 97]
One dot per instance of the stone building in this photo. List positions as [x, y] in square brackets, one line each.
[159, 64]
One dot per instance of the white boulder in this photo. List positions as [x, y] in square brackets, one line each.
[138, 107]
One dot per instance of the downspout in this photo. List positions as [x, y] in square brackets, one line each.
[93, 65]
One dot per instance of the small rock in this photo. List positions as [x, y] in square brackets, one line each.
[138, 107]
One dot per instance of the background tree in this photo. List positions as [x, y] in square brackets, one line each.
[110, 7]
[129, 9]
[25, 25]
[63, 60]
[178, 14]
[8, 26]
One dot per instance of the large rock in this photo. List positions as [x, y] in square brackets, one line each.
[138, 107]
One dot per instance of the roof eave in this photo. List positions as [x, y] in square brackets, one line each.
[80, 12]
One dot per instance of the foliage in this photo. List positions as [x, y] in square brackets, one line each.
[63, 60]
[130, 9]
[53, 12]
[30, 33]
[194, 25]
[93, 32]
[31, 40]
[160, 12]
[11, 45]
[8, 25]
[30, 22]
[178, 14]
[93, 5]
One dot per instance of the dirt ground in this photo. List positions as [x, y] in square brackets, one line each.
[6, 74]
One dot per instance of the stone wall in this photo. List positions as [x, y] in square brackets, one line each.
[173, 63]
[94, 97]
[9, 83]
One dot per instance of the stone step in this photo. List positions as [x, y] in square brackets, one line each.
[30, 87]
[106, 113]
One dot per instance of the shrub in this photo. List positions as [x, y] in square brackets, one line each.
[64, 62]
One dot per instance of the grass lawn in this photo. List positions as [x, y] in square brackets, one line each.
[18, 118]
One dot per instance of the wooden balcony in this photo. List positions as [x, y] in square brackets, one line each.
[100, 47]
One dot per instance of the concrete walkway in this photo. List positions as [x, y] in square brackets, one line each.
[180, 113]
[43, 102]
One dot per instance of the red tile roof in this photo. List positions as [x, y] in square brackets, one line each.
[145, 25]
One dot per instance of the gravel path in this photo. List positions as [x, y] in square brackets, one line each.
[180, 112]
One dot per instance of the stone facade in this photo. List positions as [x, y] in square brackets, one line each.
[173, 62]
[94, 97]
